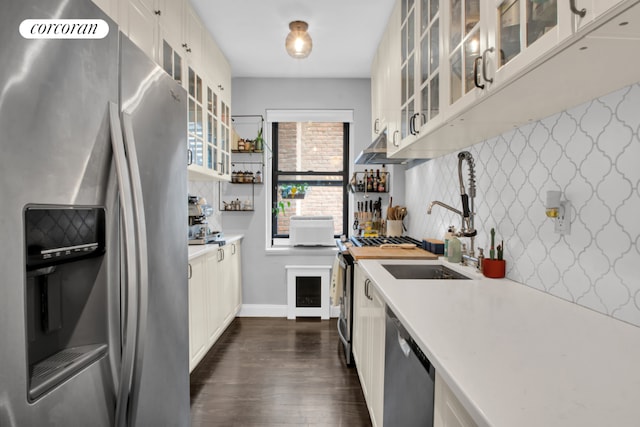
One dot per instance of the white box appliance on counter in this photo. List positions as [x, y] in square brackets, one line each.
[311, 231]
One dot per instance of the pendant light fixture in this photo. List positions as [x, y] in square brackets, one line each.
[298, 43]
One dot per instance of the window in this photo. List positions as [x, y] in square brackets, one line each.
[310, 168]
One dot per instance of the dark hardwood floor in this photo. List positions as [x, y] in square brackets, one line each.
[277, 372]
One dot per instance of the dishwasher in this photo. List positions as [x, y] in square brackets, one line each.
[409, 379]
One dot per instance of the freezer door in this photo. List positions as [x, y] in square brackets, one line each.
[56, 151]
[154, 113]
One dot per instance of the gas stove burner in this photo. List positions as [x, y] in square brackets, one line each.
[377, 241]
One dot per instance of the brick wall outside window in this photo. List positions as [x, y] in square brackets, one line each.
[321, 149]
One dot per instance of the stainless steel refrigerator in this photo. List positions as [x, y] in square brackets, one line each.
[93, 217]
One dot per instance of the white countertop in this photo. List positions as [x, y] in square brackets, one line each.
[515, 356]
[198, 250]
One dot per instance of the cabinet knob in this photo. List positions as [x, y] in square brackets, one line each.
[157, 12]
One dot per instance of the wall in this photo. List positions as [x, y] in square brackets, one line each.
[591, 153]
[264, 276]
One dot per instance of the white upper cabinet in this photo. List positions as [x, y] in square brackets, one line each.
[461, 61]
[171, 19]
[587, 11]
[385, 91]
[465, 29]
[173, 35]
[138, 20]
[194, 35]
[391, 96]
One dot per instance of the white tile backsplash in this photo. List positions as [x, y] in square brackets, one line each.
[591, 153]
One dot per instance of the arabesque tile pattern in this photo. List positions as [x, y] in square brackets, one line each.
[591, 153]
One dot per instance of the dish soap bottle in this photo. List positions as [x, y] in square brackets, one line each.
[454, 252]
[447, 236]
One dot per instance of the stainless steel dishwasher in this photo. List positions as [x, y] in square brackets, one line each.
[409, 379]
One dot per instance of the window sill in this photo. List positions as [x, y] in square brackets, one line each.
[301, 250]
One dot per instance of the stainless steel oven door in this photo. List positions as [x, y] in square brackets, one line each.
[345, 321]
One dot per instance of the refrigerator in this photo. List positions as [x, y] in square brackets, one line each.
[93, 219]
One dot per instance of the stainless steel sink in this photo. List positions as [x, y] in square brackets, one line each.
[423, 272]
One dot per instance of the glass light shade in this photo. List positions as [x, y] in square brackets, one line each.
[298, 43]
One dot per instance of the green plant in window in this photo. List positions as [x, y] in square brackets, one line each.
[280, 207]
[293, 191]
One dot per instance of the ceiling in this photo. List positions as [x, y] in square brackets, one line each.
[251, 34]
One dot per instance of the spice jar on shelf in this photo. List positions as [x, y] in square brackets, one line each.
[258, 177]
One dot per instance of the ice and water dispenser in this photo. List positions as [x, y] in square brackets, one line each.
[66, 297]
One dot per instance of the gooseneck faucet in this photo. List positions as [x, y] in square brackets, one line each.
[467, 228]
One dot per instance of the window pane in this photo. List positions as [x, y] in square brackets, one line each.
[471, 51]
[177, 67]
[456, 76]
[318, 200]
[434, 52]
[471, 15]
[317, 147]
[167, 57]
[541, 18]
[509, 30]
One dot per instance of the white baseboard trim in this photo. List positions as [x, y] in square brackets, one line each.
[273, 310]
[263, 310]
[335, 311]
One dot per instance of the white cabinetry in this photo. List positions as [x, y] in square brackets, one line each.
[197, 311]
[590, 10]
[385, 92]
[448, 411]
[368, 343]
[138, 20]
[215, 296]
[470, 69]
[172, 34]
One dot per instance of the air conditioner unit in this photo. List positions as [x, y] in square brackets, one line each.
[311, 231]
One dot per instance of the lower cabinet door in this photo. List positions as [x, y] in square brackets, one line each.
[197, 311]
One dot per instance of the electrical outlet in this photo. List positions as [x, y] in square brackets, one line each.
[563, 221]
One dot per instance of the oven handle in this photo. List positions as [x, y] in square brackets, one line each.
[341, 261]
[342, 338]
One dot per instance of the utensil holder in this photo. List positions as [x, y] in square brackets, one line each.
[394, 228]
[494, 268]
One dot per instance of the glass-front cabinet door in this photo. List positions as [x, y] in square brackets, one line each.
[465, 38]
[420, 65]
[212, 131]
[429, 60]
[225, 141]
[407, 69]
[523, 31]
[195, 132]
[208, 131]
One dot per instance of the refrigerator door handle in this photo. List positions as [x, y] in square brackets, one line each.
[126, 203]
[142, 259]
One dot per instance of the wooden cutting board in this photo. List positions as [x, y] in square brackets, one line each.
[390, 253]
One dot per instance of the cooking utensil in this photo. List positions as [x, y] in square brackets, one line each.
[398, 245]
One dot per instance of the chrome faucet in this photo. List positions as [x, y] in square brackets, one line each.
[467, 228]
